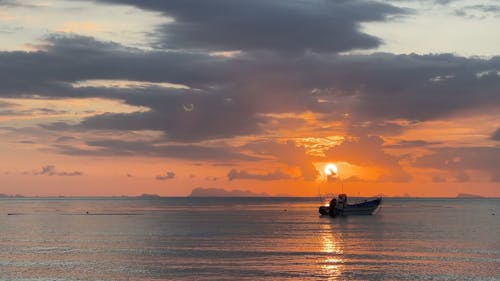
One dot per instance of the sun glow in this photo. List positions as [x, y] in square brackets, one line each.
[330, 169]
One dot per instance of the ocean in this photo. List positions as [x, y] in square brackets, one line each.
[246, 239]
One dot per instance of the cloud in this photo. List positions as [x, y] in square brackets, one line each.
[67, 59]
[368, 151]
[496, 135]
[271, 176]
[257, 25]
[12, 3]
[381, 128]
[459, 160]
[362, 151]
[63, 139]
[168, 176]
[479, 11]
[412, 144]
[220, 192]
[211, 119]
[155, 148]
[399, 87]
[50, 170]
[233, 96]
[38, 112]
[4, 104]
[376, 87]
[288, 153]
[438, 179]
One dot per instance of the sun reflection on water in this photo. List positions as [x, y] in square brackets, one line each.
[333, 263]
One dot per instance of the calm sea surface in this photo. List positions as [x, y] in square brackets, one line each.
[246, 239]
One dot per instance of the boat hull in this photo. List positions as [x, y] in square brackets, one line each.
[359, 209]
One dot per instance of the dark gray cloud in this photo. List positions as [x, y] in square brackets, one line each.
[426, 2]
[479, 11]
[412, 144]
[382, 128]
[408, 87]
[213, 113]
[496, 135]
[376, 88]
[245, 175]
[227, 96]
[70, 58]
[63, 139]
[20, 3]
[211, 118]
[50, 170]
[284, 26]
[167, 176]
[13, 3]
[459, 160]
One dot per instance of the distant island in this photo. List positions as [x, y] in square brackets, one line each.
[220, 192]
[146, 195]
[10, 196]
[466, 195]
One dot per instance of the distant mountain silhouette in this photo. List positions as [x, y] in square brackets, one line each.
[2, 195]
[220, 192]
[146, 195]
[466, 195]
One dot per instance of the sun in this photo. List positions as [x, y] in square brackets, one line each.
[330, 169]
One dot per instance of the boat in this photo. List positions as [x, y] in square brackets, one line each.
[340, 207]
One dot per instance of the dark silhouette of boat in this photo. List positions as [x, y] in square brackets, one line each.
[340, 207]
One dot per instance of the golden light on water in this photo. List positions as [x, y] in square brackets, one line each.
[333, 263]
[330, 169]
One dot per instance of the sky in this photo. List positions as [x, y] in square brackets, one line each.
[110, 98]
